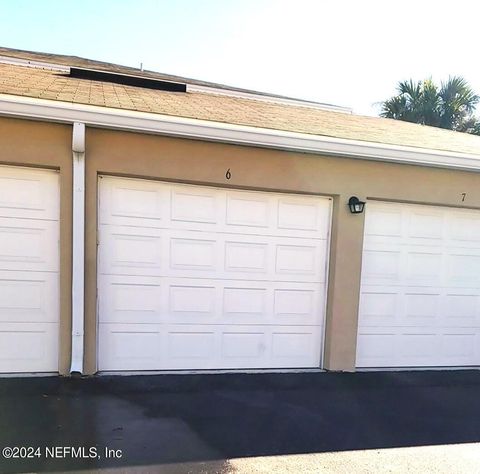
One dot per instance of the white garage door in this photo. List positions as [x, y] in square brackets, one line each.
[29, 270]
[194, 277]
[420, 291]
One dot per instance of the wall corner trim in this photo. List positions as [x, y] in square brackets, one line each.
[78, 247]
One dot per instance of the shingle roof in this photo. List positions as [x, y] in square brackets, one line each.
[54, 85]
[76, 61]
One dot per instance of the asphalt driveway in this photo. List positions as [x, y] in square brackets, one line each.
[197, 423]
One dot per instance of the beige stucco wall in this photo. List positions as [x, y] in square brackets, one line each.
[149, 156]
[31, 143]
[37, 144]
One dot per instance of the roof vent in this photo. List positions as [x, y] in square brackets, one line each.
[127, 80]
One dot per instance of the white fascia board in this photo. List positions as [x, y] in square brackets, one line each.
[119, 119]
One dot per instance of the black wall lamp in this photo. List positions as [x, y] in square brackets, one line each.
[356, 206]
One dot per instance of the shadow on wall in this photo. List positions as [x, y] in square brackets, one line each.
[174, 420]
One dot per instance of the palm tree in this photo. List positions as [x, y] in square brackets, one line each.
[450, 105]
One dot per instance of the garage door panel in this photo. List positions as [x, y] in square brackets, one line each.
[249, 210]
[461, 348]
[388, 306]
[209, 278]
[423, 266]
[420, 265]
[460, 227]
[379, 307]
[376, 349]
[419, 224]
[464, 229]
[298, 305]
[397, 347]
[461, 310]
[149, 347]
[407, 349]
[422, 309]
[463, 268]
[131, 301]
[303, 216]
[29, 245]
[417, 346]
[301, 260]
[28, 347]
[130, 202]
[298, 344]
[239, 346]
[420, 288]
[191, 345]
[28, 193]
[244, 303]
[28, 297]
[196, 205]
[129, 347]
[29, 270]
[131, 251]
[247, 256]
[425, 225]
[380, 265]
[189, 301]
[194, 254]
[383, 221]
[157, 252]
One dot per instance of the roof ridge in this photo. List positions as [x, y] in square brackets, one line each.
[67, 60]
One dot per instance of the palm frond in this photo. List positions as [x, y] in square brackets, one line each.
[450, 105]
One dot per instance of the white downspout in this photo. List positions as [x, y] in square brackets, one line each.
[78, 246]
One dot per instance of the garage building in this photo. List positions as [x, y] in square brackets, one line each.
[154, 223]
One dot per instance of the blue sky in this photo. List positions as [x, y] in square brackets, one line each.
[346, 52]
